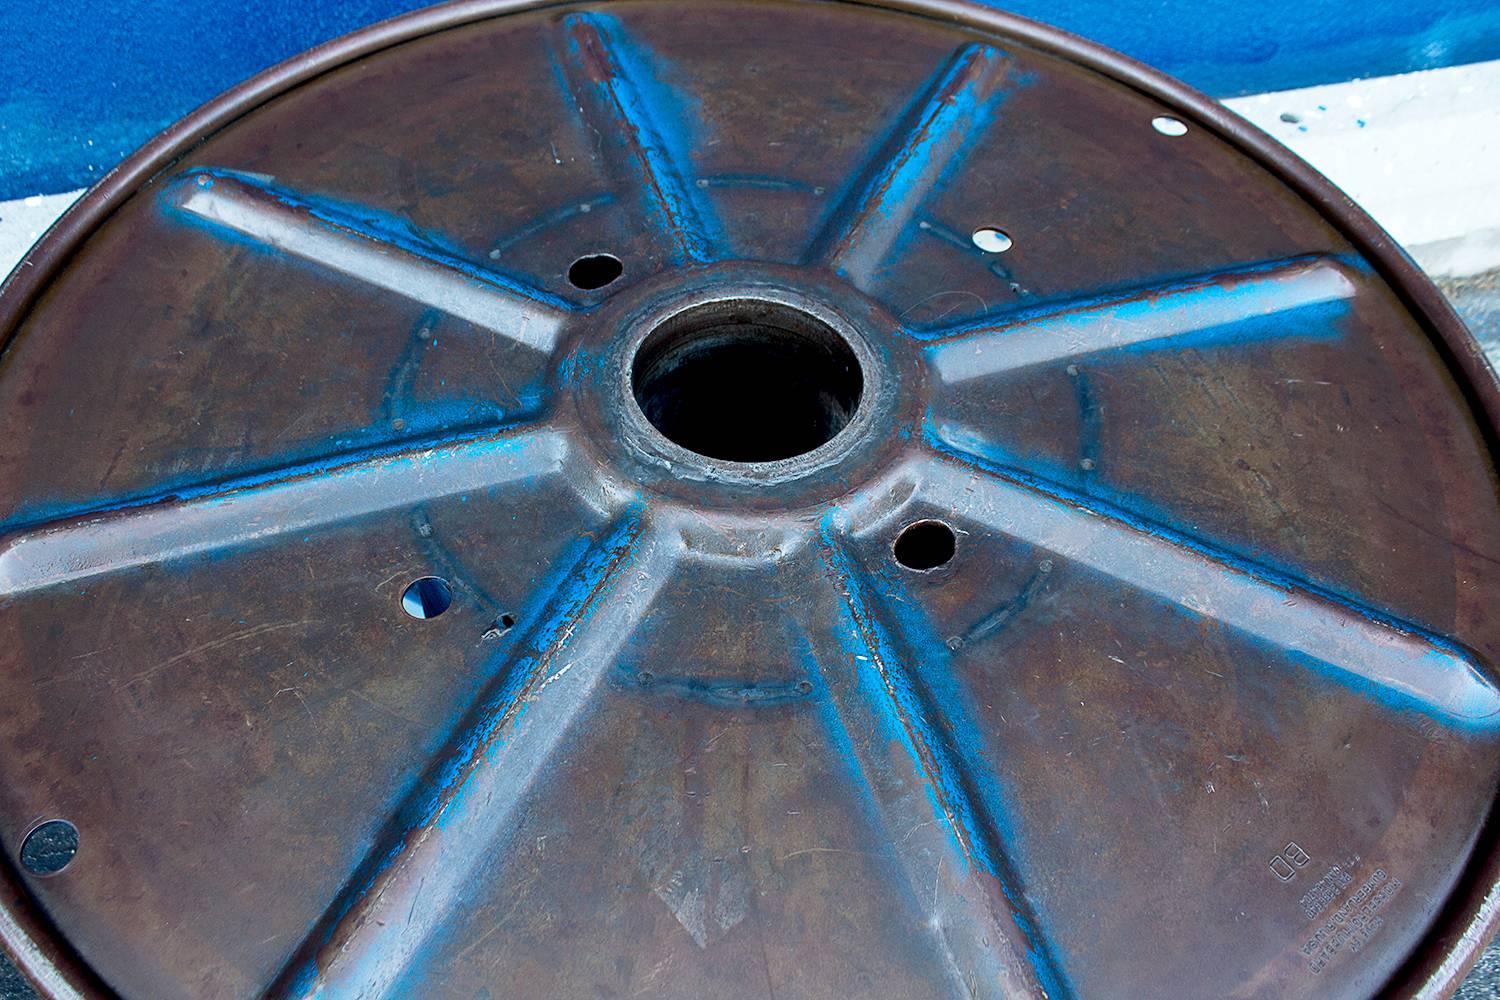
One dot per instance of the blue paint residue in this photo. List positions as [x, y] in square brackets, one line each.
[569, 599]
[1262, 569]
[936, 732]
[652, 122]
[562, 602]
[869, 216]
[325, 458]
[1249, 306]
[360, 221]
[82, 85]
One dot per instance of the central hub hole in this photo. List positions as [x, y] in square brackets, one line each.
[747, 380]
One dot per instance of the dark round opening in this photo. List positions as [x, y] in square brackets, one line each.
[427, 598]
[925, 545]
[595, 271]
[49, 848]
[747, 381]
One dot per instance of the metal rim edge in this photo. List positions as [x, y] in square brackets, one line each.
[1472, 914]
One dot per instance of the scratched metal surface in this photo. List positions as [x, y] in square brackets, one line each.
[1203, 705]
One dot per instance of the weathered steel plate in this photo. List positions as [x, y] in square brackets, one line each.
[976, 519]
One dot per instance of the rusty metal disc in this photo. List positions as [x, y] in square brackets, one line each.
[739, 499]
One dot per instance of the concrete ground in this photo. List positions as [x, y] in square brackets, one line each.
[1477, 299]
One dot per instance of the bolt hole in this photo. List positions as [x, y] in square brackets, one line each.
[925, 545]
[427, 597]
[747, 380]
[49, 848]
[992, 240]
[804, 687]
[507, 622]
[645, 677]
[1167, 125]
[595, 271]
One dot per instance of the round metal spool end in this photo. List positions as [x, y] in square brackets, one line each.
[559, 500]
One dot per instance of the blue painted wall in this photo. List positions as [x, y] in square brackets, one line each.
[83, 82]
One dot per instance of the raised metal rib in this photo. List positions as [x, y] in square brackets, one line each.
[336, 238]
[954, 863]
[614, 89]
[461, 813]
[250, 510]
[1393, 660]
[1223, 303]
[866, 223]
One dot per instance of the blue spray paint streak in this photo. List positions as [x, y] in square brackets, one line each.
[946, 693]
[837, 728]
[397, 404]
[841, 743]
[360, 221]
[886, 681]
[83, 84]
[927, 142]
[1245, 302]
[1052, 491]
[582, 573]
[878, 669]
[568, 610]
[325, 464]
[619, 77]
[1070, 480]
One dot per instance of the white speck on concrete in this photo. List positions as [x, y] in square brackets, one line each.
[1419, 151]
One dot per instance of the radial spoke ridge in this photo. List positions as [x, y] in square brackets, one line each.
[460, 813]
[615, 89]
[949, 847]
[1391, 661]
[380, 254]
[1224, 303]
[865, 224]
[255, 509]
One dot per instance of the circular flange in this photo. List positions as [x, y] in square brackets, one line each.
[790, 499]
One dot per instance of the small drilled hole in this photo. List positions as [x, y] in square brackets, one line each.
[992, 240]
[427, 597]
[925, 545]
[1167, 125]
[595, 270]
[49, 848]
